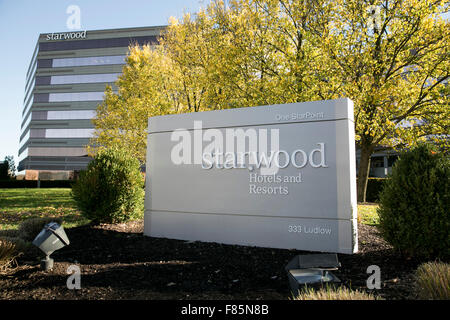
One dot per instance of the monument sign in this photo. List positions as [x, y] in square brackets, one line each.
[280, 176]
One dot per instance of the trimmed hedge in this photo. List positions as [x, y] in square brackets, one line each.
[374, 187]
[33, 183]
[111, 189]
[414, 204]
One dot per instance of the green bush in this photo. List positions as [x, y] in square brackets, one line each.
[111, 189]
[433, 281]
[415, 204]
[30, 228]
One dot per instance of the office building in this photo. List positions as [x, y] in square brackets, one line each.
[65, 82]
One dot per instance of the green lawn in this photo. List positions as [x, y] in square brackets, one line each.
[367, 214]
[17, 205]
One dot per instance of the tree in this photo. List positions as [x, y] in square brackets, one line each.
[147, 87]
[392, 59]
[7, 168]
[252, 53]
[4, 171]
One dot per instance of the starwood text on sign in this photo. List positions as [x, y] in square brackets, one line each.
[244, 176]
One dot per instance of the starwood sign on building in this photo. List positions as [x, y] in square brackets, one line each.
[278, 176]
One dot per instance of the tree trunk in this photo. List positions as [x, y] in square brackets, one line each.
[363, 172]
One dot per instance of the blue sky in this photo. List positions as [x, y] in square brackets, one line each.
[22, 21]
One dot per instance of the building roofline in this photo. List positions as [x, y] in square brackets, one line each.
[109, 30]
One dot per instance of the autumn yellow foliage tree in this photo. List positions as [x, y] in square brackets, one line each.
[390, 57]
[146, 88]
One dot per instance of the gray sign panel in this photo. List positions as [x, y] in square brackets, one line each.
[280, 176]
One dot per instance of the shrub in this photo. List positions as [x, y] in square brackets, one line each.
[30, 228]
[111, 189]
[433, 281]
[329, 293]
[415, 202]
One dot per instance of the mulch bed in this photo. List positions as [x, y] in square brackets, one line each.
[118, 262]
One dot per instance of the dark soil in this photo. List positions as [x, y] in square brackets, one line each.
[118, 262]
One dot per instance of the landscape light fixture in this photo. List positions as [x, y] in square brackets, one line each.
[312, 270]
[51, 238]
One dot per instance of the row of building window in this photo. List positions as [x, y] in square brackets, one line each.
[68, 96]
[59, 115]
[77, 78]
[96, 43]
[63, 115]
[88, 61]
[53, 152]
[81, 61]
[54, 115]
[62, 133]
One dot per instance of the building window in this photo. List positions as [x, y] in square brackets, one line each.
[44, 63]
[43, 80]
[88, 61]
[41, 97]
[39, 115]
[377, 162]
[70, 114]
[69, 133]
[37, 133]
[95, 43]
[83, 78]
[75, 96]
